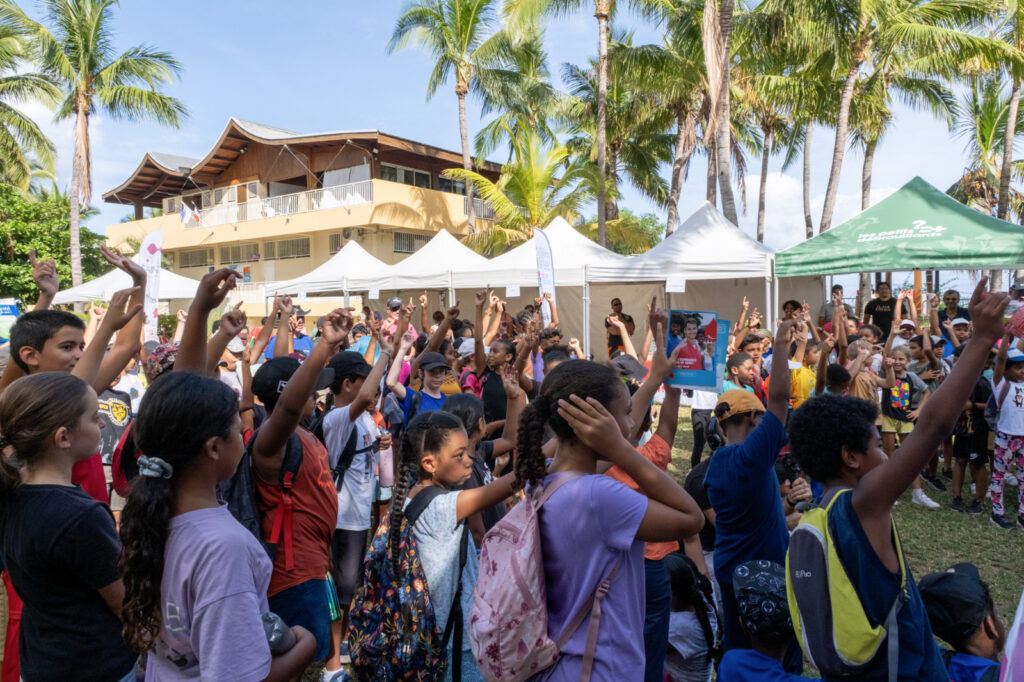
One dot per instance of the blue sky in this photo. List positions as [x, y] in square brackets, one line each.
[317, 66]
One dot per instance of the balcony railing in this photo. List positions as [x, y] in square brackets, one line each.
[338, 196]
[480, 208]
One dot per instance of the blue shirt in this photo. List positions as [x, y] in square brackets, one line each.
[729, 386]
[427, 403]
[967, 668]
[750, 522]
[363, 343]
[877, 588]
[747, 665]
[300, 344]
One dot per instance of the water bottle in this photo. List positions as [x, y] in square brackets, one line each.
[386, 465]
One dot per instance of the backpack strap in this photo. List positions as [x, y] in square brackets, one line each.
[1002, 394]
[348, 455]
[283, 518]
[561, 478]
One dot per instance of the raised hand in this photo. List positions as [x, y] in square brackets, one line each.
[510, 380]
[96, 312]
[283, 305]
[423, 299]
[408, 338]
[987, 313]
[549, 297]
[233, 320]
[182, 316]
[829, 342]
[888, 362]
[214, 288]
[494, 300]
[538, 301]
[337, 325]
[746, 304]
[120, 312]
[122, 262]
[44, 274]
[408, 310]
[375, 326]
[453, 312]
[615, 322]
[933, 301]
[664, 366]
[480, 298]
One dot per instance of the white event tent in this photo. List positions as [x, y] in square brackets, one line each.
[172, 286]
[433, 266]
[345, 271]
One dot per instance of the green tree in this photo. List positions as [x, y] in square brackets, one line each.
[77, 52]
[456, 33]
[41, 225]
[540, 183]
[24, 149]
[629, 233]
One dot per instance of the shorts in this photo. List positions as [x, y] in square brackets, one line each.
[348, 547]
[890, 425]
[971, 448]
[305, 604]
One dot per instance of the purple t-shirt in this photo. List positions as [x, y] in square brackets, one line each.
[212, 597]
[586, 525]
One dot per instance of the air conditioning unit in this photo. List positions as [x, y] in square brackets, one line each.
[347, 233]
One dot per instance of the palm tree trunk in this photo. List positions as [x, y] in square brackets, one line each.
[679, 158]
[842, 127]
[724, 120]
[467, 159]
[78, 165]
[1004, 173]
[602, 12]
[864, 288]
[611, 203]
[712, 191]
[765, 153]
[808, 220]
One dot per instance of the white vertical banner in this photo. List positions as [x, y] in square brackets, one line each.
[545, 273]
[149, 258]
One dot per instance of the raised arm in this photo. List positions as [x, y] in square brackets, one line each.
[479, 355]
[246, 403]
[627, 343]
[822, 368]
[213, 289]
[554, 309]
[839, 328]
[492, 330]
[119, 314]
[371, 385]
[438, 337]
[526, 347]
[878, 489]
[129, 340]
[741, 321]
[371, 348]
[424, 318]
[405, 343]
[283, 340]
[231, 323]
[44, 274]
[259, 344]
[179, 326]
[1000, 367]
[516, 401]
[778, 388]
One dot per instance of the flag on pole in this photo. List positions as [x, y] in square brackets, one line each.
[183, 215]
[195, 215]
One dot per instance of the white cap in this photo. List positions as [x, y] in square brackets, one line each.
[960, 320]
[467, 348]
[936, 340]
[236, 345]
[907, 323]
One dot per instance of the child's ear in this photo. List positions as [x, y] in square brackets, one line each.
[62, 438]
[30, 356]
[428, 463]
[851, 459]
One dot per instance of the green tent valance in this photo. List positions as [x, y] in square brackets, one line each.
[918, 227]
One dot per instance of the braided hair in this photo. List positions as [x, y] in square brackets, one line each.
[580, 377]
[426, 432]
[692, 589]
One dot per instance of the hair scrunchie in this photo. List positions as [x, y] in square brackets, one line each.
[154, 467]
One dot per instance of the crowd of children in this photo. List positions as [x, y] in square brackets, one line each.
[282, 497]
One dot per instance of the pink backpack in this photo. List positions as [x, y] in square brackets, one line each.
[508, 622]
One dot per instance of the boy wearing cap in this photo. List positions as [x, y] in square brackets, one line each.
[355, 388]
[962, 614]
[744, 491]
[286, 387]
[434, 367]
[760, 588]
[1008, 377]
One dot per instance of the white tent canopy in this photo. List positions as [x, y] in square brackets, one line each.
[347, 270]
[172, 286]
[431, 267]
[706, 246]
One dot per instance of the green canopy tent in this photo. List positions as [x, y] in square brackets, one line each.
[917, 227]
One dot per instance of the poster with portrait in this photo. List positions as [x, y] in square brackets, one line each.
[704, 340]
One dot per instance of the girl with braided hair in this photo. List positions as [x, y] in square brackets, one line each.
[593, 525]
[434, 454]
[693, 625]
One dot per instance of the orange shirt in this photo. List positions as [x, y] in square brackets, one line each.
[89, 474]
[659, 453]
[314, 515]
[690, 357]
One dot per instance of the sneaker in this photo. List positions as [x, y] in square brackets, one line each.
[918, 497]
[975, 507]
[947, 473]
[334, 676]
[957, 504]
[1011, 480]
[1001, 521]
[974, 489]
[934, 481]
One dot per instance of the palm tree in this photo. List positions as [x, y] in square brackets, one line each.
[25, 151]
[627, 234]
[456, 34]
[717, 42]
[1012, 31]
[78, 53]
[542, 182]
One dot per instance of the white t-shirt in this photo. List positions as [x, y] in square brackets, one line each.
[355, 499]
[704, 400]
[1011, 413]
[231, 380]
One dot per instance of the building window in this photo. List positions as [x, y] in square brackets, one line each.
[253, 189]
[335, 243]
[218, 195]
[206, 199]
[448, 185]
[195, 258]
[406, 176]
[286, 248]
[171, 205]
[239, 253]
[409, 243]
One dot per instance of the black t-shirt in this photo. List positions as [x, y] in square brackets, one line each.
[614, 340]
[694, 485]
[116, 411]
[483, 463]
[60, 547]
[493, 395]
[883, 313]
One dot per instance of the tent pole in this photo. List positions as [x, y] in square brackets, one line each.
[451, 290]
[775, 303]
[586, 311]
[345, 289]
[768, 301]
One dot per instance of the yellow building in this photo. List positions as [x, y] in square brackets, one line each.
[274, 204]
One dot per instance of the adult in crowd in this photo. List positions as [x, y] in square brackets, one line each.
[615, 338]
[882, 310]
[829, 307]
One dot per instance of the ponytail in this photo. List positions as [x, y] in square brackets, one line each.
[32, 410]
[179, 414]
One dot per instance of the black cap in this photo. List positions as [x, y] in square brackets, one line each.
[298, 311]
[629, 367]
[760, 590]
[432, 361]
[1017, 286]
[956, 601]
[394, 303]
[273, 375]
[348, 364]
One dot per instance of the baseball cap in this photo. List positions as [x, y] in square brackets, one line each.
[273, 375]
[936, 340]
[394, 303]
[760, 590]
[738, 401]
[1017, 286]
[298, 311]
[960, 320]
[348, 364]
[1014, 355]
[432, 360]
[907, 323]
[236, 345]
[629, 367]
[956, 600]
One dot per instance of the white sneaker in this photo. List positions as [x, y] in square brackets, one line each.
[1010, 480]
[974, 488]
[918, 497]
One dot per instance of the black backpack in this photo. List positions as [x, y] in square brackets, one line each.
[239, 492]
[351, 449]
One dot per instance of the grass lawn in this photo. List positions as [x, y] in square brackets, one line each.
[933, 539]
